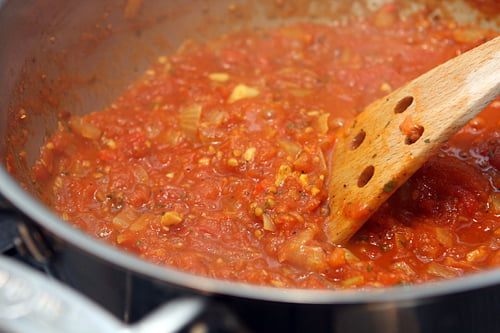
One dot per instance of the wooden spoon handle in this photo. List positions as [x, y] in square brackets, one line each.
[394, 136]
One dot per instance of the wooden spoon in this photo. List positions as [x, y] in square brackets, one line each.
[391, 139]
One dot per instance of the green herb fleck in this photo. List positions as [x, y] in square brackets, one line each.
[427, 140]
[403, 283]
[390, 186]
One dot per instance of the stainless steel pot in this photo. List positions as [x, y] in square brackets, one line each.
[77, 56]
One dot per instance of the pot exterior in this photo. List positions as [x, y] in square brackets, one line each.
[131, 297]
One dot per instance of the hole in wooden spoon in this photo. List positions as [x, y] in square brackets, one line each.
[358, 140]
[411, 129]
[414, 135]
[403, 104]
[366, 175]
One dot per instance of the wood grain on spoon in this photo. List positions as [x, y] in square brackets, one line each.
[391, 139]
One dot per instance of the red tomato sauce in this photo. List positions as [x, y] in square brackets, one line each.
[215, 162]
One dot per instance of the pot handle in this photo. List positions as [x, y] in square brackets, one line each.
[32, 302]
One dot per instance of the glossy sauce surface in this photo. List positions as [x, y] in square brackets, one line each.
[216, 161]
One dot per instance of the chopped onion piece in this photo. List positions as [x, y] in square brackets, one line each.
[268, 223]
[84, 128]
[283, 172]
[439, 270]
[171, 218]
[124, 218]
[477, 255]
[403, 266]
[495, 202]
[242, 91]
[469, 35]
[214, 117]
[140, 174]
[290, 147]
[301, 92]
[249, 154]
[354, 281]
[350, 257]
[189, 120]
[143, 221]
[322, 123]
[219, 77]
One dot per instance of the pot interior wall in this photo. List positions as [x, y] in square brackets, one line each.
[64, 57]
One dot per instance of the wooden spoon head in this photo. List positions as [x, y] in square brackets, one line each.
[394, 136]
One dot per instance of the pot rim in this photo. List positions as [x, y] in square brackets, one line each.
[410, 295]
